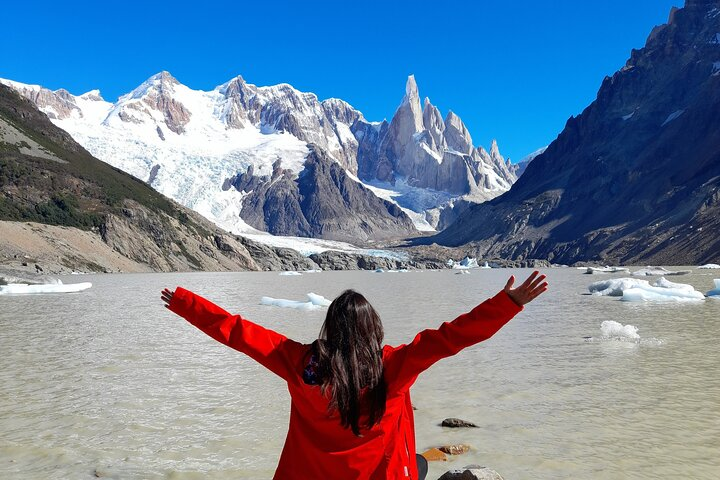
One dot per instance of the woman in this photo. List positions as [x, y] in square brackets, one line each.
[350, 413]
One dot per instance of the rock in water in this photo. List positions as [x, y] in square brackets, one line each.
[471, 472]
[457, 449]
[456, 423]
[434, 455]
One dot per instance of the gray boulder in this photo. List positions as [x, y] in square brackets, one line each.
[471, 472]
[457, 423]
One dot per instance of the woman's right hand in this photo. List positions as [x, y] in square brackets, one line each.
[528, 291]
[167, 296]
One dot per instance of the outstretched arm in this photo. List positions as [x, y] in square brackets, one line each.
[271, 349]
[405, 363]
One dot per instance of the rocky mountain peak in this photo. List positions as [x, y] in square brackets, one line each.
[457, 135]
[59, 104]
[702, 3]
[433, 123]
[93, 95]
[411, 88]
[164, 78]
[494, 149]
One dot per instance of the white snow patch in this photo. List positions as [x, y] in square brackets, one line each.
[616, 330]
[418, 218]
[715, 40]
[672, 117]
[308, 246]
[431, 152]
[628, 116]
[314, 302]
[716, 69]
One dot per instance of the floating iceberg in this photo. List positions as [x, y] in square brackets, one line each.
[314, 302]
[662, 291]
[650, 271]
[709, 266]
[462, 272]
[616, 286]
[59, 287]
[592, 270]
[486, 265]
[636, 290]
[290, 273]
[715, 292]
[613, 329]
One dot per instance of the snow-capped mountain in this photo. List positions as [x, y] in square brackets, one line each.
[193, 145]
[525, 161]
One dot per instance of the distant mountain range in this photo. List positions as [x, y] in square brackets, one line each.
[63, 210]
[279, 160]
[635, 178]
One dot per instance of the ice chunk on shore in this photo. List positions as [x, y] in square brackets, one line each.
[463, 264]
[715, 292]
[616, 286]
[24, 288]
[314, 302]
[593, 270]
[650, 271]
[613, 329]
[290, 273]
[708, 266]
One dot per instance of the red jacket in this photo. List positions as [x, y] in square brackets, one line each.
[317, 447]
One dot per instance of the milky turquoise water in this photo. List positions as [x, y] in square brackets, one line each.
[108, 383]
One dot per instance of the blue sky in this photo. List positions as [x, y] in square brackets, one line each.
[513, 71]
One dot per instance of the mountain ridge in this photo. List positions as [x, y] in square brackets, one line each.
[162, 130]
[635, 177]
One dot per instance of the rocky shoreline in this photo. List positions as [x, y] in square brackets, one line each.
[133, 243]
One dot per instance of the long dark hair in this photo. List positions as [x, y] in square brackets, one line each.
[349, 356]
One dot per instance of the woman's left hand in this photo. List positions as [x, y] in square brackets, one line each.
[528, 291]
[167, 296]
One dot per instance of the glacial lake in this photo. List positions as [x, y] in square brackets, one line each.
[107, 383]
